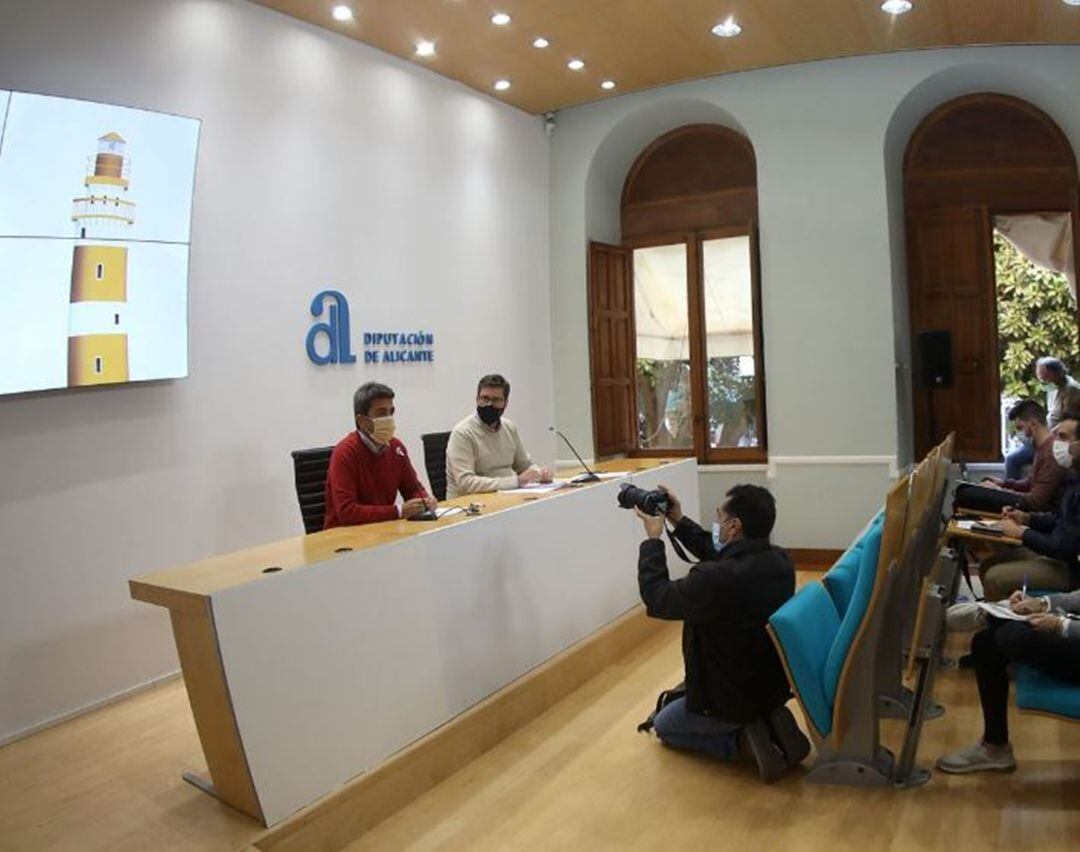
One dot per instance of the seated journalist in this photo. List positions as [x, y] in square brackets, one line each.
[370, 467]
[1040, 490]
[1048, 641]
[1047, 558]
[1063, 394]
[736, 688]
[485, 452]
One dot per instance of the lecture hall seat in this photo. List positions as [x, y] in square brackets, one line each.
[1042, 694]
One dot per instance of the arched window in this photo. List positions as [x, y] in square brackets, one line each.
[990, 195]
[675, 330]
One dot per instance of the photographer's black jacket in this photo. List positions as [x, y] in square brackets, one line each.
[732, 670]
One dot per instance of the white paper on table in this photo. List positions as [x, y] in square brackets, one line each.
[538, 487]
[987, 527]
[1001, 609]
[580, 478]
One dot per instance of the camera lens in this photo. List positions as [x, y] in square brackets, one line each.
[650, 502]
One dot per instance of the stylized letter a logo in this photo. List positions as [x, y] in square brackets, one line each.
[336, 329]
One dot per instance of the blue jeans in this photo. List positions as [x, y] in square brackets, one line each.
[680, 728]
[1017, 460]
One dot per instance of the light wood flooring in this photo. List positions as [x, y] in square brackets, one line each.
[581, 777]
[578, 777]
[111, 781]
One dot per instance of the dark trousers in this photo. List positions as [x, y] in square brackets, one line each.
[1005, 642]
[679, 727]
[970, 496]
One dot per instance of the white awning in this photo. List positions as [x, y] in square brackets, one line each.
[1043, 238]
[661, 306]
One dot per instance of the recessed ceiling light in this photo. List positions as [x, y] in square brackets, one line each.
[607, 85]
[575, 64]
[727, 29]
[502, 85]
[425, 48]
[500, 19]
[896, 7]
[542, 42]
[342, 13]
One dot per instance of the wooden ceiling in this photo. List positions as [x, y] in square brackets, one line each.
[644, 43]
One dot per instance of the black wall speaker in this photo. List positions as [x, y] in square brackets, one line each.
[935, 359]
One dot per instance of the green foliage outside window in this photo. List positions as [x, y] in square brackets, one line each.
[663, 401]
[1036, 318]
[663, 398]
[731, 403]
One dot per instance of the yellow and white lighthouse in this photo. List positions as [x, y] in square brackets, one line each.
[97, 336]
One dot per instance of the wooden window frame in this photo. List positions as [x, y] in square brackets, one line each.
[695, 283]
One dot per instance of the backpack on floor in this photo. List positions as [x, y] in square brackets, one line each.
[662, 701]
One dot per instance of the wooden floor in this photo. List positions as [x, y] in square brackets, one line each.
[578, 777]
[111, 781]
[581, 777]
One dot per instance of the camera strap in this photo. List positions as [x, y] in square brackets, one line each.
[675, 544]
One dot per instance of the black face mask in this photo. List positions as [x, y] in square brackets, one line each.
[489, 414]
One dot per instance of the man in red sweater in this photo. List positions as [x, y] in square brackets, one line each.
[370, 467]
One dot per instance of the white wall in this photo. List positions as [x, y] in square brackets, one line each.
[828, 137]
[322, 162]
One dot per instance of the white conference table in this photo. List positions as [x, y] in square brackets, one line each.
[367, 638]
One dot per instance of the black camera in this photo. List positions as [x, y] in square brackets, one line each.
[650, 502]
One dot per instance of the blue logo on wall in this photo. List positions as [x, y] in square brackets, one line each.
[336, 330]
[380, 347]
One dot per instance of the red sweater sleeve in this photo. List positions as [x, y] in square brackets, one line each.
[343, 490]
[1046, 480]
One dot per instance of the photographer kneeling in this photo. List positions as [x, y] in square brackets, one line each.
[735, 683]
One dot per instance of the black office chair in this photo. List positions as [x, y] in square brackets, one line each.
[310, 467]
[435, 462]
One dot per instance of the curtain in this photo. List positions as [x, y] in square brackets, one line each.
[1043, 238]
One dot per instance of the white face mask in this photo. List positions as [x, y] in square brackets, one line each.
[1062, 455]
[719, 540]
[383, 429]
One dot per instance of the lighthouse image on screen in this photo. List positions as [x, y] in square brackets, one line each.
[97, 347]
[95, 211]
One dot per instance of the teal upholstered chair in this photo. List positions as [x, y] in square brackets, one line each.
[840, 579]
[833, 636]
[828, 637]
[806, 628]
[1040, 693]
[829, 661]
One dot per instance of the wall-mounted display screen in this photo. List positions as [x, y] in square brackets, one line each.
[95, 221]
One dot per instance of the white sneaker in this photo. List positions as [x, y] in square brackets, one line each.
[978, 758]
[965, 618]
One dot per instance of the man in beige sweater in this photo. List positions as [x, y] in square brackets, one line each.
[485, 452]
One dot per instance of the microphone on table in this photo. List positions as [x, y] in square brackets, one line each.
[588, 476]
